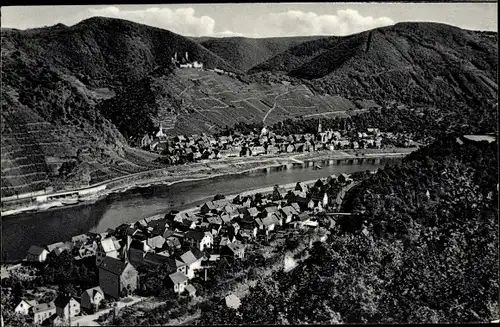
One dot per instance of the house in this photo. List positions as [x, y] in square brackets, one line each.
[36, 254]
[342, 178]
[52, 247]
[91, 299]
[156, 242]
[117, 278]
[301, 187]
[179, 281]
[278, 193]
[270, 210]
[192, 259]
[199, 239]
[321, 198]
[207, 207]
[43, 311]
[303, 218]
[136, 251]
[232, 301]
[79, 240]
[87, 250]
[269, 224]
[106, 247]
[66, 306]
[234, 249]
[288, 213]
[25, 307]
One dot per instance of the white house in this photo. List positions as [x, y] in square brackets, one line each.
[24, 307]
[43, 311]
[197, 64]
[37, 254]
[66, 306]
[179, 280]
[192, 259]
[91, 298]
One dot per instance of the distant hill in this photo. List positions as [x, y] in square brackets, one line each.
[244, 53]
[419, 62]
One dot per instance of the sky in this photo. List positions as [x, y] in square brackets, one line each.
[262, 19]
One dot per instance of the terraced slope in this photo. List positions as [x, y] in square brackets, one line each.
[191, 101]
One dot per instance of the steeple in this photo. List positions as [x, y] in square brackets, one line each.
[319, 126]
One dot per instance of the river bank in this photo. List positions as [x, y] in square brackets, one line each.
[201, 171]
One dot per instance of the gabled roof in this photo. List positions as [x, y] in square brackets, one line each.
[189, 258]
[36, 250]
[253, 211]
[236, 247]
[108, 245]
[214, 220]
[268, 221]
[155, 242]
[289, 210]
[157, 259]
[52, 247]
[113, 265]
[93, 291]
[304, 216]
[62, 300]
[44, 307]
[137, 245]
[178, 277]
[194, 235]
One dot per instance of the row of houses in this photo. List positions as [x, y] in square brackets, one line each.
[60, 311]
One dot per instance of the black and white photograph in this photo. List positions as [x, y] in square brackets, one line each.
[285, 163]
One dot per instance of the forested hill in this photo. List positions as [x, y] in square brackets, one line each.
[244, 53]
[409, 62]
[422, 249]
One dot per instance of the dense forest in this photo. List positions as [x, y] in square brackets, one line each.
[421, 248]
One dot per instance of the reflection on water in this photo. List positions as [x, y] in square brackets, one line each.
[22, 230]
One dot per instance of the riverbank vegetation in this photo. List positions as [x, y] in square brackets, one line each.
[422, 247]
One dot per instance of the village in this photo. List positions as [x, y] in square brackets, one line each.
[188, 244]
[181, 148]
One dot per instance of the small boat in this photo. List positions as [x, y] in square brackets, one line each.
[317, 167]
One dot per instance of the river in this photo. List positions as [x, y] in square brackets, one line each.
[22, 230]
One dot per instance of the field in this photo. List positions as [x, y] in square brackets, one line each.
[211, 101]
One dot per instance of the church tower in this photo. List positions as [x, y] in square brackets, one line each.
[319, 126]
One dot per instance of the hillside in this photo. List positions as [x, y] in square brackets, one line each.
[422, 248]
[425, 63]
[74, 98]
[52, 82]
[244, 53]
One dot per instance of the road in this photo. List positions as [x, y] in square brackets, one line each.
[89, 320]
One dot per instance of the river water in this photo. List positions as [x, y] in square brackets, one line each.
[21, 231]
